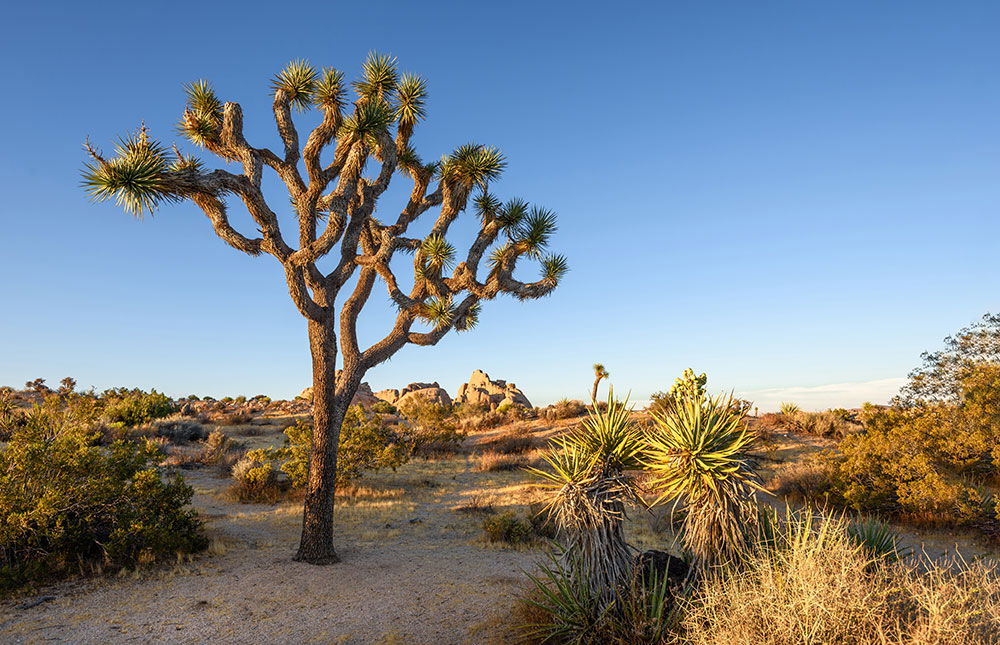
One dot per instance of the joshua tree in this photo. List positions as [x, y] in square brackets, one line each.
[333, 202]
[599, 374]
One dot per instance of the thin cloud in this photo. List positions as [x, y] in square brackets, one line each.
[821, 397]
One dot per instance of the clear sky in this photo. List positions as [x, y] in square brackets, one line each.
[796, 198]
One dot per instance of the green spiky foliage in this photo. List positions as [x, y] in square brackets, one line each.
[329, 91]
[697, 454]
[134, 178]
[789, 409]
[472, 165]
[298, 82]
[379, 77]
[588, 489]
[370, 119]
[877, 539]
[411, 96]
[437, 253]
[438, 312]
[335, 176]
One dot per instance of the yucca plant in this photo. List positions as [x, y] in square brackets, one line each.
[789, 409]
[877, 539]
[697, 453]
[590, 490]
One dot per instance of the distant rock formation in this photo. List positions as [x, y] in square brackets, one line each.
[427, 392]
[482, 391]
[363, 396]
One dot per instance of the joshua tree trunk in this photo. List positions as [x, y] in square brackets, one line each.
[316, 546]
[593, 390]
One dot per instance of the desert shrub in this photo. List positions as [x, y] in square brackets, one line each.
[492, 461]
[176, 429]
[507, 528]
[367, 443]
[434, 429]
[564, 409]
[819, 587]
[219, 450]
[130, 408]
[384, 407]
[226, 399]
[806, 480]
[686, 386]
[235, 419]
[11, 416]
[66, 503]
[255, 478]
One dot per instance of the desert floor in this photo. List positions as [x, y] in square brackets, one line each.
[415, 569]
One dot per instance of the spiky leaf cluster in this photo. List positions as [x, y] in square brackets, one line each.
[202, 118]
[298, 82]
[470, 319]
[554, 267]
[370, 120]
[379, 77]
[436, 253]
[133, 178]
[438, 312]
[329, 90]
[535, 230]
[472, 165]
[411, 94]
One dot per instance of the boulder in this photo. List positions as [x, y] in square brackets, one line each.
[389, 396]
[423, 392]
[363, 396]
[481, 390]
[663, 565]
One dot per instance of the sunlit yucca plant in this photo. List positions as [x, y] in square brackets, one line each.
[589, 492]
[697, 453]
[789, 409]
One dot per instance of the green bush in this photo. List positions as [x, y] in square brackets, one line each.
[130, 408]
[367, 443]
[434, 428]
[66, 503]
[384, 407]
[507, 528]
[926, 461]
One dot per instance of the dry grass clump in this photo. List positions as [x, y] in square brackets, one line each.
[238, 418]
[477, 505]
[564, 409]
[492, 461]
[823, 588]
[807, 480]
[220, 450]
[515, 441]
[176, 428]
[256, 480]
[832, 424]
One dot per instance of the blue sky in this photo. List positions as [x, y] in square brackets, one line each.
[796, 198]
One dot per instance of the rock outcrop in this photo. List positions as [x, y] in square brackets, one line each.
[482, 391]
[363, 396]
[417, 392]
